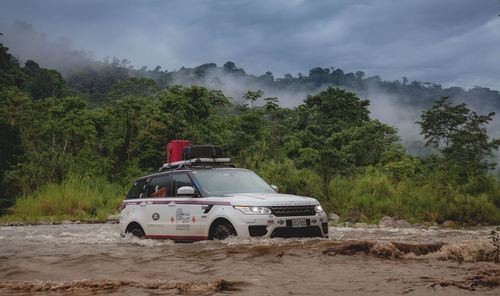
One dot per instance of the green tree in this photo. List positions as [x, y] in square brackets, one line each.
[11, 150]
[193, 113]
[253, 96]
[137, 87]
[127, 117]
[335, 109]
[332, 134]
[460, 135]
[272, 105]
[10, 71]
[41, 82]
[95, 81]
[366, 143]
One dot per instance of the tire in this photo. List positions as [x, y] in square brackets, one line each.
[201, 151]
[136, 231]
[222, 230]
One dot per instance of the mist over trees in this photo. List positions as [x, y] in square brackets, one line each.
[235, 80]
[397, 103]
[309, 134]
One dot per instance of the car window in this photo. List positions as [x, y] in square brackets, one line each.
[221, 182]
[159, 186]
[137, 190]
[180, 180]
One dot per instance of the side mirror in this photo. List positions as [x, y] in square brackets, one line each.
[275, 188]
[185, 190]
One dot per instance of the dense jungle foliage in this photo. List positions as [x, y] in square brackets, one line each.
[71, 146]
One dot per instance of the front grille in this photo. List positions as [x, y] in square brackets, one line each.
[309, 231]
[257, 230]
[286, 211]
[325, 227]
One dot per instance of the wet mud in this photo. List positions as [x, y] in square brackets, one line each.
[109, 286]
[391, 249]
[482, 278]
[93, 259]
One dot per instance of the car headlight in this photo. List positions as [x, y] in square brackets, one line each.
[254, 210]
[318, 209]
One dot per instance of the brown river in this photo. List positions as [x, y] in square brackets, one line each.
[90, 259]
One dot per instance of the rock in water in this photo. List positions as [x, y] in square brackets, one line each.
[448, 223]
[386, 222]
[360, 225]
[334, 217]
[355, 215]
[419, 226]
[403, 224]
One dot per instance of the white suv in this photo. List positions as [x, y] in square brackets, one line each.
[197, 202]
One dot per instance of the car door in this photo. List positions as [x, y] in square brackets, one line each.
[188, 210]
[132, 211]
[157, 207]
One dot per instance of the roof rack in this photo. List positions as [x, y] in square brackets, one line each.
[195, 161]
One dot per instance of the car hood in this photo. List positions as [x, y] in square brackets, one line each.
[269, 199]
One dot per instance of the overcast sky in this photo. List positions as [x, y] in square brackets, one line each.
[452, 42]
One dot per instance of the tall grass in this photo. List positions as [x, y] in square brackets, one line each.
[428, 197]
[375, 194]
[76, 197]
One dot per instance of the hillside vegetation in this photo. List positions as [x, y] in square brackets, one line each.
[71, 146]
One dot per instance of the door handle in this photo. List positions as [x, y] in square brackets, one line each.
[143, 204]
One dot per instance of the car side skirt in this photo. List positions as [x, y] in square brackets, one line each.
[178, 237]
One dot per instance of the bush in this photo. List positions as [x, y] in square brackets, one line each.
[377, 194]
[76, 197]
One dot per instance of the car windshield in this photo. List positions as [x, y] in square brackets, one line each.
[222, 182]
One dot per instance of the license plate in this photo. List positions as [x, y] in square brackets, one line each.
[299, 223]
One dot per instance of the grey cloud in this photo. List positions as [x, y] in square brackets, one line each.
[25, 42]
[446, 41]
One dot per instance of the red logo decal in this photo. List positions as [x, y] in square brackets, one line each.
[193, 219]
[172, 219]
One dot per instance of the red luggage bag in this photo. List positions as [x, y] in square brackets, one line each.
[174, 150]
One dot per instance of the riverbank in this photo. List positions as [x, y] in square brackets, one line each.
[363, 198]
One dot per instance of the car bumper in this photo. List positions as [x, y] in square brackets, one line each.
[290, 226]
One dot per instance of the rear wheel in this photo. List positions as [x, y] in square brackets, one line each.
[136, 230]
[223, 230]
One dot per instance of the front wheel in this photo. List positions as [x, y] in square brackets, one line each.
[222, 231]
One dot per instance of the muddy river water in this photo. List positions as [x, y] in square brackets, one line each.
[89, 259]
